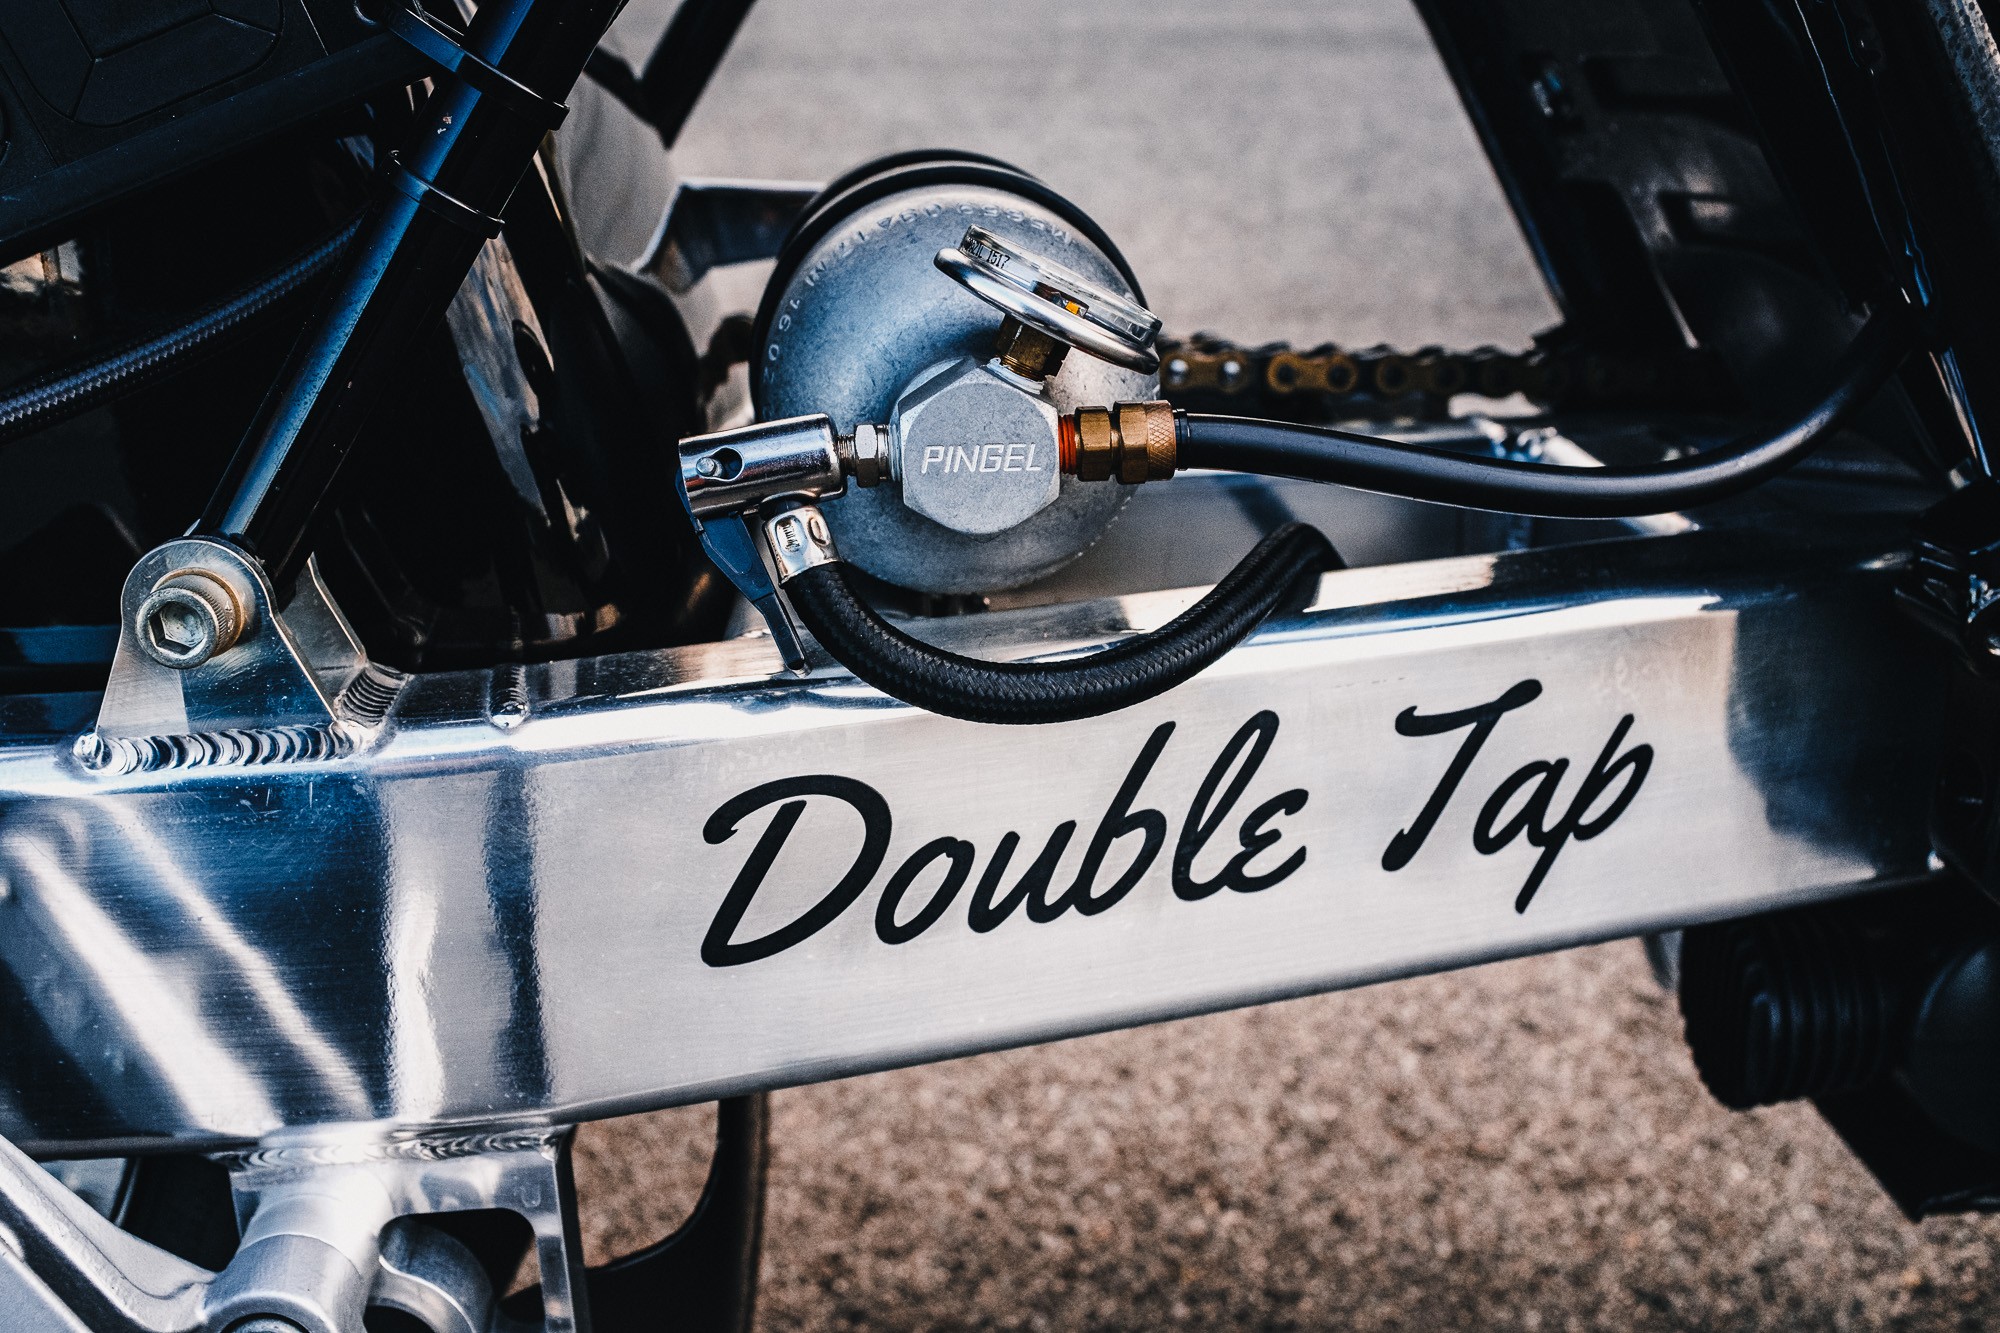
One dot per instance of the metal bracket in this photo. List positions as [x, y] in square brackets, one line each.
[329, 1229]
[281, 1190]
[212, 666]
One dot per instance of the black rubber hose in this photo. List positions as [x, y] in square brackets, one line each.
[44, 401]
[1281, 570]
[1313, 453]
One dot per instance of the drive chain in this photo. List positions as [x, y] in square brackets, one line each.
[1206, 373]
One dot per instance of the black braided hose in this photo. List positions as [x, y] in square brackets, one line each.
[1281, 571]
[65, 393]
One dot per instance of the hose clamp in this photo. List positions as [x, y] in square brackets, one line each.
[447, 206]
[798, 540]
[445, 48]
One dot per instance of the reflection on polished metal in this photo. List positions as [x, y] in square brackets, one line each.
[680, 877]
[490, 317]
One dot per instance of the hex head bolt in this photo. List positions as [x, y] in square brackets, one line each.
[187, 619]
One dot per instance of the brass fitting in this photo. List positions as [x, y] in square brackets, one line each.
[1027, 352]
[1133, 442]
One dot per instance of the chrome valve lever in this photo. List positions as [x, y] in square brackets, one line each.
[728, 478]
[734, 471]
[1049, 299]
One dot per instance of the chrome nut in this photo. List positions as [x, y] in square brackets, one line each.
[864, 455]
[189, 618]
[973, 450]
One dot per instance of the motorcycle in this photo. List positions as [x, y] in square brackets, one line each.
[466, 678]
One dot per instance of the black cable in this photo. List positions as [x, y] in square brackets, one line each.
[615, 77]
[62, 394]
[1282, 569]
[1315, 453]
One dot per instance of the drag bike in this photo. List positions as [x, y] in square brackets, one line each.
[464, 676]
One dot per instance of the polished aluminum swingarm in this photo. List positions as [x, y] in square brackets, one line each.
[535, 895]
[376, 937]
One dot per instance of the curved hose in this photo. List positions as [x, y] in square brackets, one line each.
[1282, 568]
[44, 401]
[1313, 453]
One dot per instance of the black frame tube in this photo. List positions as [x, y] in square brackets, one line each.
[678, 71]
[413, 252]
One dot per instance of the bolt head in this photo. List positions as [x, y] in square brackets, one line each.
[188, 619]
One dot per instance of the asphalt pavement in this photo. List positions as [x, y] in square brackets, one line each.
[1518, 1146]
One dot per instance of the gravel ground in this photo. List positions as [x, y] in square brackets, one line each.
[1520, 1146]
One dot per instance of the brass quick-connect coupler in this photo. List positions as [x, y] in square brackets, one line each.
[1129, 442]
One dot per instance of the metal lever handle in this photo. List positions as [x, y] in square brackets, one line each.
[1052, 300]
